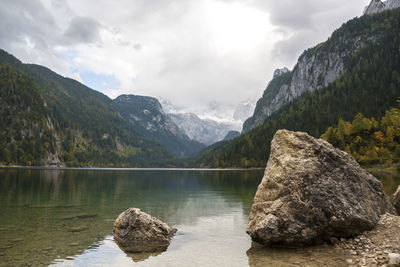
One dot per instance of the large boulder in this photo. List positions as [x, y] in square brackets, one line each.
[312, 192]
[136, 231]
[396, 200]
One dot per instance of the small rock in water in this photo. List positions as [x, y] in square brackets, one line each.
[136, 231]
[394, 258]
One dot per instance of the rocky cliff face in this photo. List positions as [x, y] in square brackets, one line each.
[280, 72]
[150, 121]
[146, 113]
[202, 130]
[392, 3]
[377, 6]
[212, 124]
[316, 68]
[231, 135]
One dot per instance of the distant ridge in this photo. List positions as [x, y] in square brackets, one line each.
[50, 120]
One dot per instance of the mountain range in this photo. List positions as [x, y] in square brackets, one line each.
[212, 124]
[316, 68]
[47, 119]
[50, 120]
[355, 70]
[148, 118]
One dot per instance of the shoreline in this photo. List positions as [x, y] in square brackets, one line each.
[370, 168]
[124, 169]
[374, 247]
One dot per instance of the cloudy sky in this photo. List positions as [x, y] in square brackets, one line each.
[189, 51]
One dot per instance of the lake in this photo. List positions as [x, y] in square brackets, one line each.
[65, 218]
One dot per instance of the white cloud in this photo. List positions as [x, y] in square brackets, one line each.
[190, 51]
[76, 76]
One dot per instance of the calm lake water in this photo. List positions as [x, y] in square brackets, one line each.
[65, 218]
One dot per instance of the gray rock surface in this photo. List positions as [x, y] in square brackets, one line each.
[211, 124]
[393, 3]
[377, 6]
[280, 72]
[316, 68]
[136, 231]
[148, 118]
[312, 192]
[53, 160]
[396, 200]
[203, 130]
[231, 135]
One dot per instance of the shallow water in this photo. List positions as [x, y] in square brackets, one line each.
[65, 218]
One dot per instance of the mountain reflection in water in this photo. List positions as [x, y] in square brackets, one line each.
[65, 217]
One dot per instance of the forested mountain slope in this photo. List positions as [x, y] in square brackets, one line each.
[370, 84]
[26, 136]
[316, 68]
[51, 120]
[148, 118]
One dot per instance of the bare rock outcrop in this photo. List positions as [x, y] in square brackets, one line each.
[374, 7]
[136, 231]
[312, 192]
[377, 6]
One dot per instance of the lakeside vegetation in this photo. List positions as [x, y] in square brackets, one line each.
[369, 141]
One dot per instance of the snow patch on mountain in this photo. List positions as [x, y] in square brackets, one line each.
[210, 124]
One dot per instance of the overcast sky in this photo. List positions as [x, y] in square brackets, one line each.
[189, 51]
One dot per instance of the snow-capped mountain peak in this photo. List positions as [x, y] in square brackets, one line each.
[211, 124]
